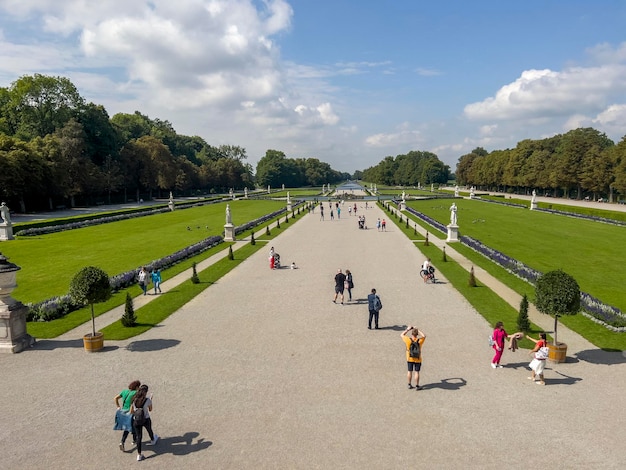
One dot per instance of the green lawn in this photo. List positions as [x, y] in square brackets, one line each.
[592, 252]
[48, 262]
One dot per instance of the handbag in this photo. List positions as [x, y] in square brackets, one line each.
[542, 353]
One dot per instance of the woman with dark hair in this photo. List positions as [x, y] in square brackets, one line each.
[123, 418]
[143, 402]
[498, 336]
[349, 284]
[539, 354]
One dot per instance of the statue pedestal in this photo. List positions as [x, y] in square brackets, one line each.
[171, 206]
[453, 233]
[533, 205]
[289, 207]
[6, 232]
[229, 233]
[402, 206]
[13, 336]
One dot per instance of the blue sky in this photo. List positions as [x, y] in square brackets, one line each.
[348, 82]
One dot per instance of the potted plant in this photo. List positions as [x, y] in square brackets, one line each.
[557, 293]
[91, 286]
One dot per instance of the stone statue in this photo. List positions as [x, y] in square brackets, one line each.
[472, 192]
[229, 219]
[453, 214]
[534, 199]
[4, 214]
[456, 191]
[288, 198]
[403, 196]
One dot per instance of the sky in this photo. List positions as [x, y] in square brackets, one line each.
[349, 82]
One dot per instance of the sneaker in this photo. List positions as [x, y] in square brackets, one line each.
[493, 365]
[540, 383]
[499, 366]
[122, 446]
[417, 387]
[153, 441]
[410, 386]
[140, 457]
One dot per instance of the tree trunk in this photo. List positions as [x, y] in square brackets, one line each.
[93, 321]
[556, 321]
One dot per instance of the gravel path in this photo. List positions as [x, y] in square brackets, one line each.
[263, 371]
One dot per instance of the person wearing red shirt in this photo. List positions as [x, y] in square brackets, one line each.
[498, 335]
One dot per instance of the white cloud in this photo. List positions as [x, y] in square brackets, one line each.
[404, 137]
[546, 93]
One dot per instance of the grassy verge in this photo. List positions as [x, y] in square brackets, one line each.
[159, 309]
[486, 302]
[162, 307]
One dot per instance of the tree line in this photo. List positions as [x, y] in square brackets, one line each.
[408, 170]
[56, 149]
[583, 162]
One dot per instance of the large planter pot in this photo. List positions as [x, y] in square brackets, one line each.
[93, 343]
[557, 352]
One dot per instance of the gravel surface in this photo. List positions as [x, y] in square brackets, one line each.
[263, 371]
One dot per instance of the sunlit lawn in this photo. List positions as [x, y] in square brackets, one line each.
[592, 252]
[48, 262]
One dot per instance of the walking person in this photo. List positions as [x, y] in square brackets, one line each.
[321, 212]
[349, 285]
[413, 354]
[143, 278]
[539, 354]
[340, 280]
[142, 419]
[272, 257]
[338, 212]
[378, 225]
[498, 336]
[374, 304]
[332, 217]
[156, 280]
[383, 225]
[123, 418]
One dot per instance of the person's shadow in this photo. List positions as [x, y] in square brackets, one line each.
[180, 445]
[453, 383]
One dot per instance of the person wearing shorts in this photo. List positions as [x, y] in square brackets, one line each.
[340, 280]
[414, 365]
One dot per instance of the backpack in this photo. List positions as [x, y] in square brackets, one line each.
[378, 305]
[414, 349]
[139, 416]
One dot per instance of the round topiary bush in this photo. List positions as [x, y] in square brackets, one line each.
[557, 293]
[90, 286]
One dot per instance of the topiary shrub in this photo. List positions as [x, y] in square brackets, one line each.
[194, 274]
[230, 253]
[426, 240]
[472, 278]
[523, 323]
[267, 230]
[557, 293]
[252, 240]
[129, 318]
[277, 223]
[444, 257]
[90, 286]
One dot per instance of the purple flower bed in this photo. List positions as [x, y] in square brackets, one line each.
[593, 218]
[604, 314]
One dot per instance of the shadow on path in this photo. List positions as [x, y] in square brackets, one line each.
[598, 356]
[152, 345]
[453, 383]
[180, 445]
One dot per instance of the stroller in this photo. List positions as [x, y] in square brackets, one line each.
[276, 261]
[428, 275]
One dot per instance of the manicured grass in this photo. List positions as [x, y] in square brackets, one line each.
[170, 303]
[159, 309]
[49, 262]
[596, 334]
[294, 193]
[492, 307]
[592, 252]
[54, 328]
